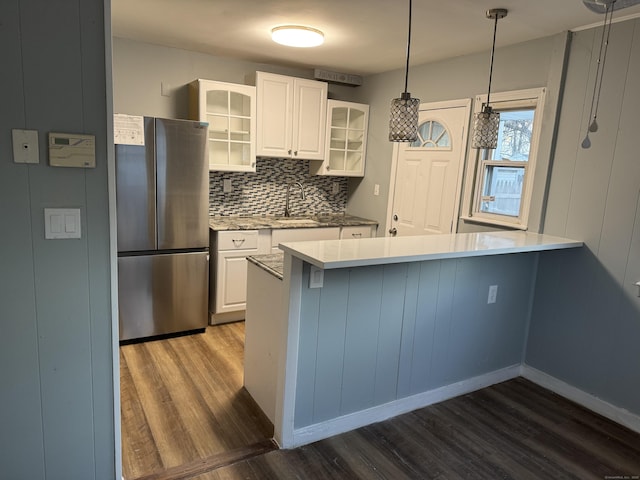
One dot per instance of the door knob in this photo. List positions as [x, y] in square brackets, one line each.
[393, 231]
[395, 218]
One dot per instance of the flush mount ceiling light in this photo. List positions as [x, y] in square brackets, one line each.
[487, 122]
[403, 123]
[297, 36]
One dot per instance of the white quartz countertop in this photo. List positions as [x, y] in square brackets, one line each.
[328, 254]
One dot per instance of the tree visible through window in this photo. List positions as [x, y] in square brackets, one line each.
[504, 177]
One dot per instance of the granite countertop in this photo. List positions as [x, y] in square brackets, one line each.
[272, 263]
[261, 222]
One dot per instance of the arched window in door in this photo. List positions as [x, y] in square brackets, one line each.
[432, 134]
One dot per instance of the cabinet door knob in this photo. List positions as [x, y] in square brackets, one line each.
[328, 168]
[393, 231]
[289, 151]
[295, 153]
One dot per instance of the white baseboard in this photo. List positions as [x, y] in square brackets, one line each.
[319, 431]
[593, 403]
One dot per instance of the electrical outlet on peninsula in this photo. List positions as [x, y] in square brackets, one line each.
[493, 294]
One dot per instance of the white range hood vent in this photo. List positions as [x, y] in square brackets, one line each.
[337, 77]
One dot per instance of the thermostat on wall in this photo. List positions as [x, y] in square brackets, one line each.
[72, 150]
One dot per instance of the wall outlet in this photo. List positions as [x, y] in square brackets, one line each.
[226, 185]
[335, 188]
[493, 294]
[376, 189]
[316, 277]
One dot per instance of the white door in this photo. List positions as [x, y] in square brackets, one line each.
[425, 190]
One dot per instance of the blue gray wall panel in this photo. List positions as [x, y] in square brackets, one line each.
[586, 318]
[56, 400]
[376, 334]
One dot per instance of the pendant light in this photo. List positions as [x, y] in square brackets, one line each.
[403, 123]
[597, 86]
[487, 122]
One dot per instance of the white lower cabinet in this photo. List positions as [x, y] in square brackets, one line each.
[230, 249]
[228, 286]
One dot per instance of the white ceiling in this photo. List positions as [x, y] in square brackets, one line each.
[361, 36]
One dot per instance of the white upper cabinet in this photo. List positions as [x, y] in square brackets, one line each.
[230, 110]
[292, 115]
[346, 140]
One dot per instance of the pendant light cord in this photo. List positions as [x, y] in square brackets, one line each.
[493, 49]
[607, 27]
[406, 72]
[592, 124]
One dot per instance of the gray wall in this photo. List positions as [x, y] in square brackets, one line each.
[372, 335]
[140, 70]
[586, 318]
[56, 399]
[528, 65]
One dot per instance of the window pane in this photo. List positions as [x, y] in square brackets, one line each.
[502, 190]
[432, 134]
[514, 135]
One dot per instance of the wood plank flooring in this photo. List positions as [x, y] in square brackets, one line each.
[183, 404]
[514, 430]
[185, 415]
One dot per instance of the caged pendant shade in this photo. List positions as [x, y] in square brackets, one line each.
[403, 122]
[487, 122]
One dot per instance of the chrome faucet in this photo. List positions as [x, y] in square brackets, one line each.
[287, 213]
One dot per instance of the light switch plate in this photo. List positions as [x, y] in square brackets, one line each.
[25, 146]
[62, 223]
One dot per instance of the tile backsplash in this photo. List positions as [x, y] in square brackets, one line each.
[264, 192]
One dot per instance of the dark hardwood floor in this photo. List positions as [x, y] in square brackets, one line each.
[514, 430]
[185, 415]
[183, 405]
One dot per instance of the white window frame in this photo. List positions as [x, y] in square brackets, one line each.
[474, 182]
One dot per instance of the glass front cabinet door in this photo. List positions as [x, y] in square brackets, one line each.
[346, 140]
[230, 111]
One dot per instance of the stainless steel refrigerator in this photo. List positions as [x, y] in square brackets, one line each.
[162, 194]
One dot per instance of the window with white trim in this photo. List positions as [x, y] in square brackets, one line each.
[503, 177]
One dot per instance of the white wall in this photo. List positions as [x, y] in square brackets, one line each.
[56, 400]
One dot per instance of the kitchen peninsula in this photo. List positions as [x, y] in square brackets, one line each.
[358, 331]
[233, 238]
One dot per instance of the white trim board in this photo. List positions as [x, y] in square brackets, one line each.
[587, 400]
[345, 423]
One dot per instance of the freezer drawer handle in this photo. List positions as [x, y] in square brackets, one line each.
[238, 242]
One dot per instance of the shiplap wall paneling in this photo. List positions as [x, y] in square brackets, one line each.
[307, 348]
[64, 333]
[421, 344]
[330, 345]
[57, 338]
[21, 446]
[572, 127]
[585, 310]
[623, 192]
[593, 169]
[390, 333]
[408, 328]
[361, 338]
